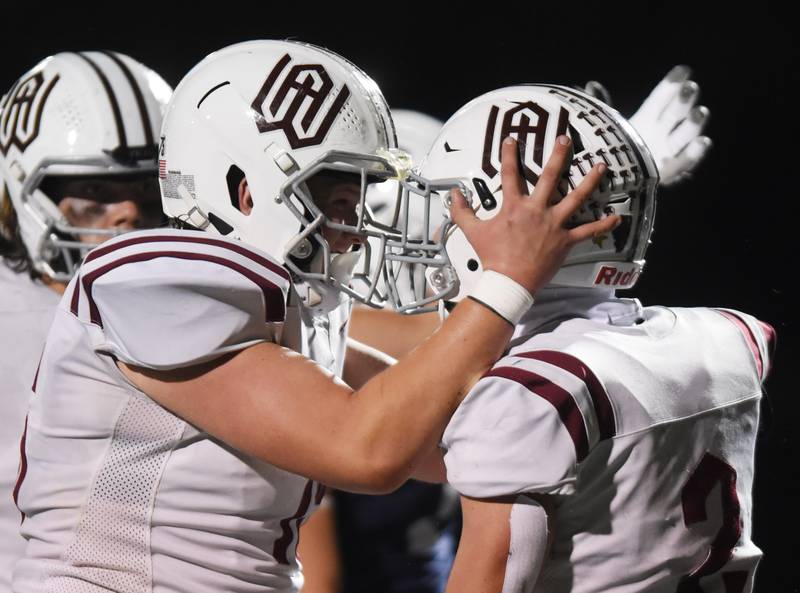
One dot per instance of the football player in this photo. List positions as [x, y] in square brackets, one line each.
[188, 407]
[611, 447]
[78, 163]
[404, 540]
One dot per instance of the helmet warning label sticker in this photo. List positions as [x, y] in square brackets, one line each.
[172, 181]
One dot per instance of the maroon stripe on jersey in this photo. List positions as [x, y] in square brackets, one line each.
[559, 398]
[321, 488]
[23, 469]
[38, 367]
[771, 336]
[240, 249]
[76, 295]
[602, 403]
[281, 548]
[273, 296]
[747, 333]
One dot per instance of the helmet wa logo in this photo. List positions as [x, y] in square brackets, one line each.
[21, 112]
[529, 122]
[295, 100]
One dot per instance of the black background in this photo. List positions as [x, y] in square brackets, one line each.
[726, 238]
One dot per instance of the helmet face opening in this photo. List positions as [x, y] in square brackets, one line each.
[78, 125]
[333, 247]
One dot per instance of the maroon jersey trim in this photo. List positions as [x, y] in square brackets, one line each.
[600, 400]
[749, 338]
[273, 296]
[280, 551]
[559, 398]
[177, 238]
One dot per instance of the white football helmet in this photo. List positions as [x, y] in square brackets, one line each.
[467, 152]
[277, 113]
[75, 114]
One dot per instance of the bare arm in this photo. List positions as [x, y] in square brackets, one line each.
[390, 332]
[362, 362]
[504, 543]
[318, 550]
[276, 405]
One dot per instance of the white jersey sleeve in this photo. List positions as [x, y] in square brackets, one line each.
[169, 299]
[525, 426]
[759, 337]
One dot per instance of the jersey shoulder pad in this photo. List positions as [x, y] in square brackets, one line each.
[759, 336]
[166, 299]
[526, 425]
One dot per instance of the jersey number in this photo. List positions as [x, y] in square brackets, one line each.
[709, 472]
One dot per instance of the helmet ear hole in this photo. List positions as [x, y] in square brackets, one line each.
[233, 178]
[622, 232]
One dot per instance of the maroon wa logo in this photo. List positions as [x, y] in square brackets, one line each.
[21, 112]
[295, 105]
[528, 122]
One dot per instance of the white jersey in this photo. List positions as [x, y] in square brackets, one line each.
[121, 495]
[643, 432]
[26, 311]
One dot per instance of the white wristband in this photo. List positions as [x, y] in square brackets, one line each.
[502, 295]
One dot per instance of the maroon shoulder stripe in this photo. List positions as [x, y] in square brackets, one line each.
[602, 403]
[38, 368]
[559, 398]
[76, 295]
[280, 551]
[240, 249]
[273, 296]
[23, 469]
[749, 338]
[771, 336]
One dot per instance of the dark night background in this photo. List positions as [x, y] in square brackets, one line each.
[725, 238]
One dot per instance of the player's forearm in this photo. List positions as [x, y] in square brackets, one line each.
[399, 415]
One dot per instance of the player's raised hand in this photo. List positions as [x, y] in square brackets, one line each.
[528, 239]
[671, 124]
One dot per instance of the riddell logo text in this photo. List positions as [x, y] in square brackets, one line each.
[611, 276]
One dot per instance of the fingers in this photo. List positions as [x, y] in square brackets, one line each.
[690, 128]
[594, 229]
[685, 161]
[510, 175]
[681, 105]
[553, 169]
[461, 212]
[662, 95]
[573, 200]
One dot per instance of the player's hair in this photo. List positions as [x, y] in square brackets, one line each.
[12, 248]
